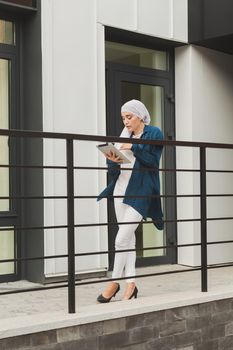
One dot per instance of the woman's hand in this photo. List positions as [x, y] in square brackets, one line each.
[126, 146]
[111, 156]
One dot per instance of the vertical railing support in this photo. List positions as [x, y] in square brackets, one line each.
[70, 224]
[203, 210]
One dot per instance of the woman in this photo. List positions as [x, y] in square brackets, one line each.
[133, 182]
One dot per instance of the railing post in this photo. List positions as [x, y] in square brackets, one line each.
[70, 224]
[203, 219]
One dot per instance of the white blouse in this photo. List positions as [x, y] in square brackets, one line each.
[123, 179]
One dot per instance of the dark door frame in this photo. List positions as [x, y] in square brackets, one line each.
[115, 74]
[28, 115]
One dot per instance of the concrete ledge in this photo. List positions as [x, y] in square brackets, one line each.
[22, 325]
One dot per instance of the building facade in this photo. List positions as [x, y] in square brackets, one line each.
[67, 66]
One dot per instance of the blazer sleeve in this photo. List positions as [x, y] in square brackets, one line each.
[113, 168]
[149, 158]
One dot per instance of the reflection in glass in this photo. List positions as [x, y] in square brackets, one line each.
[7, 32]
[153, 97]
[4, 124]
[7, 251]
[136, 56]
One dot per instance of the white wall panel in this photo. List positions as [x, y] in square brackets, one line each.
[159, 18]
[120, 13]
[70, 92]
[180, 20]
[154, 17]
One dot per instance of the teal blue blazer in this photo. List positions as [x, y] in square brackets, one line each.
[142, 183]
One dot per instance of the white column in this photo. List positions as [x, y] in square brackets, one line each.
[204, 107]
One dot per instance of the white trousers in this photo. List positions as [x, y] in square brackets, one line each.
[124, 262]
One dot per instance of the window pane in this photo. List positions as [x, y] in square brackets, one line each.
[4, 124]
[136, 56]
[7, 32]
[153, 97]
[7, 251]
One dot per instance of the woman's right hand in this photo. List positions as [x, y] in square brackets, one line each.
[111, 156]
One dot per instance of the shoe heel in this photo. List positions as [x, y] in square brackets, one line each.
[118, 288]
[134, 294]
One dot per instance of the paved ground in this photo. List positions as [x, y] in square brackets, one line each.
[50, 301]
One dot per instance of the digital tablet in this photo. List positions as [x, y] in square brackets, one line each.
[106, 148]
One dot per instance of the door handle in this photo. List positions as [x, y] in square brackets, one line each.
[170, 135]
[171, 98]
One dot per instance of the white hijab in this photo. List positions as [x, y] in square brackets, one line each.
[137, 108]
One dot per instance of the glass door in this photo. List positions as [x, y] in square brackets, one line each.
[154, 92]
[7, 239]
[8, 149]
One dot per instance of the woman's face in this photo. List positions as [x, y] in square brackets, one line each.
[132, 122]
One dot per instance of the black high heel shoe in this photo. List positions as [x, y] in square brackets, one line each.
[134, 294]
[102, 299]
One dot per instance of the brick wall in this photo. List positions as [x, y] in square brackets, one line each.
[207, 326]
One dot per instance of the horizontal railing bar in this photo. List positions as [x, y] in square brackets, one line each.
[149, 275]
[219, 171]
[94, 168]
[105, 168]
[134, 222]
[110, 223]
[220, 242]
[96, 281]
[35, 166]
[138, 169]
[90, 225]
[151, 169]
[82, 137]
[152, 274]
[32, 228]
[137, 276]
[140, 196]
[158, 196]
[98, 253]
[32, 289]
[34, 258]
[95, 197]
[213, 266]
[223, 218]
[111, 279]
[132, 196]
[150, 248]
[113, 251]
[34, 197]
[151, 222]
[220, 195]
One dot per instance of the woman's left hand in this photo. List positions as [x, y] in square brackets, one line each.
[126, 146]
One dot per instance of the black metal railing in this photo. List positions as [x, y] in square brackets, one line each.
[70, 198]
